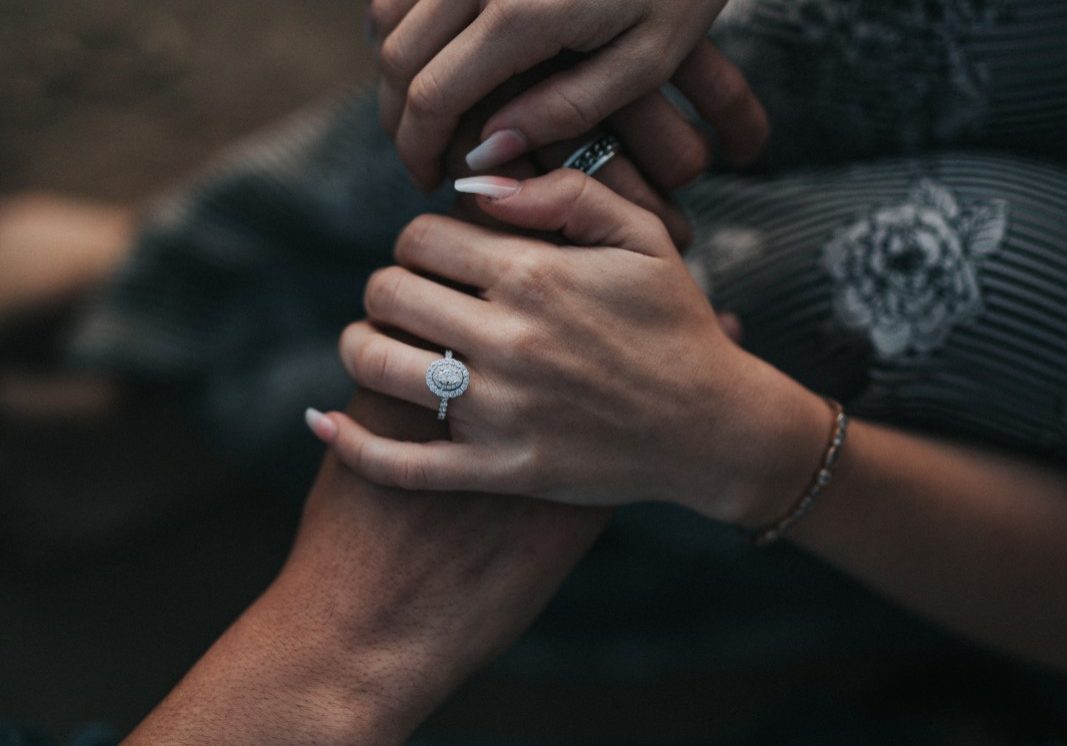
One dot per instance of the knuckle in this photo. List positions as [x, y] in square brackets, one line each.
[572, 186]
[651, 65]
[571, 180]
[506, 16]
[348, 347]
[373, 362]
[532, 278]
[408, 474]
[383, 291]
[572, 116]
[649, 224]
[384, 14]
[349, 449]
[416, 235]
[536, 465]
[393, 62]
[647, 203]
[426, 96]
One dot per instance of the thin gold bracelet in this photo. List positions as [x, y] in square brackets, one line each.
[823, 476]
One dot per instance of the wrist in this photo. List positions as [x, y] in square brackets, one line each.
[283, 675]
[368, 684]
[797, 423]
[768, 450]
[385, 668]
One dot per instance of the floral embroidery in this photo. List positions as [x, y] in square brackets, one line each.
[907, 274]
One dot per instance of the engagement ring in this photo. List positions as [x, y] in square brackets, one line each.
[447, 378]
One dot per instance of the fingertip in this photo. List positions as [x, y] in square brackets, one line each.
[322, 425]
[746, 153]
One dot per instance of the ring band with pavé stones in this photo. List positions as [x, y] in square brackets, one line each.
[594, 155]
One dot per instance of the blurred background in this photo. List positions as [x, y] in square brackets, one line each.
[107, 592]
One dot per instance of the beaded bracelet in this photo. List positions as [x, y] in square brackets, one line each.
[773, 532]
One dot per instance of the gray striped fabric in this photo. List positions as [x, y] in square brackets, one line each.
[858, 78]
[869, 283]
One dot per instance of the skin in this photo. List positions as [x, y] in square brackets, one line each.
[572, 399]
[440, 58]
[388, 601]
[390, 598]
[597, 318]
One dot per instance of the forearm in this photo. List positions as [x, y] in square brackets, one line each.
[388, 601]
[315, 659]
[964, 535]
[276, 679]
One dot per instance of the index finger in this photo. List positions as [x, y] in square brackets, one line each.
[506, 39]
[481, 58]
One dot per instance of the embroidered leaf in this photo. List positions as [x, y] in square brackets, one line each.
[928, 193]
[985, 226]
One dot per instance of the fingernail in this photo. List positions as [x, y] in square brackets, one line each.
[499, 148]
[494, 187]
[324, 428]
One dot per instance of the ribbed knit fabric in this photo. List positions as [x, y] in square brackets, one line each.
[847, 79]
[928, 292]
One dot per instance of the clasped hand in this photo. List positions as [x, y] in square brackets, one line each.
[440, 58]
[599, 372]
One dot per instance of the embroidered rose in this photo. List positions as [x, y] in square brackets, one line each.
[908, 274]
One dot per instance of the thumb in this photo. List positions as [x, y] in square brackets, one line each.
[579, 208]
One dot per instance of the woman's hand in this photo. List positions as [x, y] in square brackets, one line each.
[620, 174]
[441, 57]
[599, 373]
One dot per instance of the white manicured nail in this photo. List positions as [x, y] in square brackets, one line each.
[494, 187]
[499, 148]
[324, 428]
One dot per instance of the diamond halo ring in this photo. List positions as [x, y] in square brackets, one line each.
[448, 379]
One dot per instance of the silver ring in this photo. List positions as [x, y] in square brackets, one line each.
[594, 155]
[448, 379]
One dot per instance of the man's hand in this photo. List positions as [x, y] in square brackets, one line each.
[388, 601]
[439, 58]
